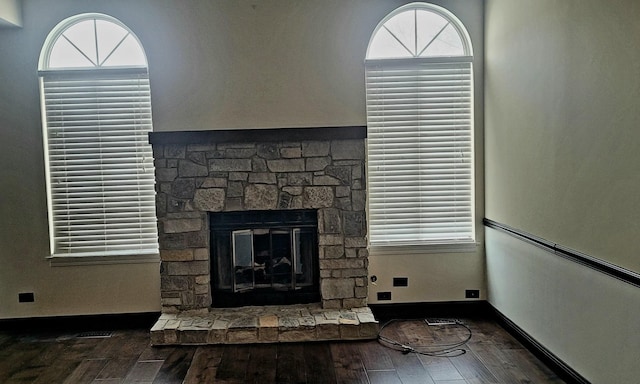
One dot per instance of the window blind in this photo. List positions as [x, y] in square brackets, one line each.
[101, 174]
[420, 152]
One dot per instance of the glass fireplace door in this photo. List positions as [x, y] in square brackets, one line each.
[243, 277]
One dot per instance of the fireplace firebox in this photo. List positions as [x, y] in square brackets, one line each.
[264, 257]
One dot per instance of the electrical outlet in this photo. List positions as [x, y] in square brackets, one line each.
[400, 281]
[384, 295]
[26, 297]
[472, 294]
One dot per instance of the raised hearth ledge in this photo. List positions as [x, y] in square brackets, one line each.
[258, 135]
[264, 324]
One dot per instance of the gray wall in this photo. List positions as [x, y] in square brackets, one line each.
[562, 139]
[213, 64]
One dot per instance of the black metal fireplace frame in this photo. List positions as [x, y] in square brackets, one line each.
[223, 224]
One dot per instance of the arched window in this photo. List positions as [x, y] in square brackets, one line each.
[96, 117]
[420, 129]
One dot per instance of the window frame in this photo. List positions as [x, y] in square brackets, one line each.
[94, 75]
[437, 246]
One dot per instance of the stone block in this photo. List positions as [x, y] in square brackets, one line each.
[196, 157]
[210, 199]
[259, 165]
[182, 225]
[235, 189]
[234, 204]
[317, 197]
[330, 239]
[175, 151]
[347, 149]
[354, 224]
[343, 203]
[166, 174]
[188, 268]
[157, 337]
[217, 336]
[315, 148]
[369, 330]
[361, 292]
[262, 178]
[193, 336]
[268, 335]
[325, 180]
[268, 321]
[176, 254]
[203, 279]
[239, 153]
[299, 179]
[337, 288]
[349, 332]
[189, 169]
[261, 196]
[238, 176]
[343, 191]
[202, 301]
[170, 336]
[341, 263]
[351, 253]
[294, 191]
[328, 331]
[333, 251]
[331, 221]
[171, 301]
[268, 151]
[201, 289]
[354, 303]
[242, 336]
[358, 200]
[332, 304]
[290, 152]
[230, 165]
[196, 239]
[317, 163]
[286, 165]
[284, 200]
[183, 188]
[355, 242]
[174, 283]
[201, 254]
[297, 335]
[341, 173]
[214, 182]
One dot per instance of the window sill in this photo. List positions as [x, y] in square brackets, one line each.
[69, 261]
[471, 247]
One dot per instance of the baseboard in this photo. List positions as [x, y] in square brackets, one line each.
[81, 323]
[564, 371]
[478, 308]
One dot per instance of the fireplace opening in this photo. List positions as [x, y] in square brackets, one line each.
[264, 258]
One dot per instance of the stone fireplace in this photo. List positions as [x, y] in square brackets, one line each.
[201, 174]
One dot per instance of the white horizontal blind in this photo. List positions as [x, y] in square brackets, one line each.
[101, 174]
[420, 152]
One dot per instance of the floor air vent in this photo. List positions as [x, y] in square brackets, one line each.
[94, 334]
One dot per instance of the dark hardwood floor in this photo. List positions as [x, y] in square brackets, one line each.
[492, 356]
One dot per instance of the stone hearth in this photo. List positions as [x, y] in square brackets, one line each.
[198, 172]
[266, 324]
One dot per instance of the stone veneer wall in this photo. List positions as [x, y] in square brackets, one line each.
[197, 178]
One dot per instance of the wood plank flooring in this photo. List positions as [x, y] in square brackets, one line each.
[492, 356]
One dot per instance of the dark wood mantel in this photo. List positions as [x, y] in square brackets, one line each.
[258, 135]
